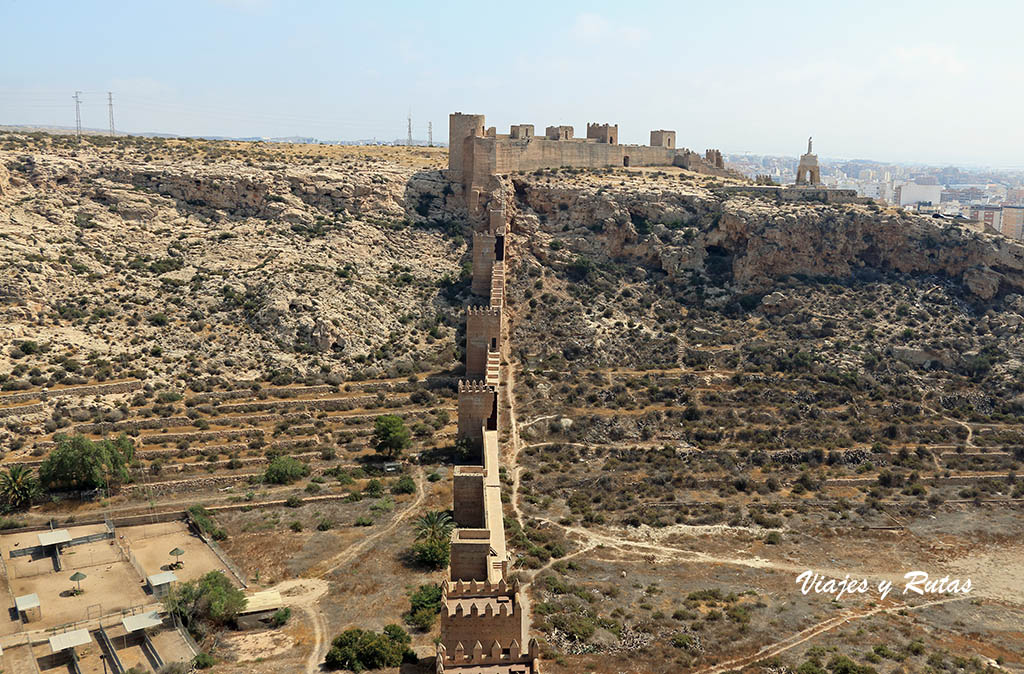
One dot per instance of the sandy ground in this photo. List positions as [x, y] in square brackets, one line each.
[19, 659]
[107, 588]
[152, 543]
[171, 646]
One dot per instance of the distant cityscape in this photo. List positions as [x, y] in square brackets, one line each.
[991, 197]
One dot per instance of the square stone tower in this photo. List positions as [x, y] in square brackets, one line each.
[663, 138]
[604, 133]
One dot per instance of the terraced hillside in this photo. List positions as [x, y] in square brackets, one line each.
[698, 421]
[707, 394]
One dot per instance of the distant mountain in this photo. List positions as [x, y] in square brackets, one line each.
[300, 140]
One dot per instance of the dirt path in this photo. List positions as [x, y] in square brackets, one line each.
[514, 442]
[805, 635]
[515, 470]
[325, 568]
[969, 442]
[304, 594]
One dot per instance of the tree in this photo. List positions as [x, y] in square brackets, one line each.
[433, 525]
[18, 486]
[211, 599]
[433, 536]
[424, 605]
[80, 463]
[391, 435]
[356, 649]
[432, 554]
[285, 470]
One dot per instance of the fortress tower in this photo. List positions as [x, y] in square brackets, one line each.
[663, 138]
[462, 128]
[604, 133]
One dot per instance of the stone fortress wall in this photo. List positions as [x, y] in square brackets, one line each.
[483, 620]
[475, 152]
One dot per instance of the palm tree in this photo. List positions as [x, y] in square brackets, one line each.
[434, 525]
[18, 486]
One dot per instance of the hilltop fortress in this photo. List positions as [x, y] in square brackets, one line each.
[475, 152]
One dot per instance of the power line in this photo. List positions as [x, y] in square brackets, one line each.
[110, 108]
[78, 115]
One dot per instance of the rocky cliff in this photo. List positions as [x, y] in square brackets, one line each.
[674, 223]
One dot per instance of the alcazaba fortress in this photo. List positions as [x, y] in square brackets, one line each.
[484, 626]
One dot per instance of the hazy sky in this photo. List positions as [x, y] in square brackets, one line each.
[937, 82]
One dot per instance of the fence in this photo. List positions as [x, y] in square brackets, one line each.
[150, 650]
[108, 646]
[155, 529]
[189, 641]
[31, 567]
[221, 555]
[127, 555]
[93, 556]
[19, 645]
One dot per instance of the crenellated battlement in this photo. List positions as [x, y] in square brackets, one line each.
[495, 654]
[477, 588]
[480, 310]
[474, 386]
[477, 153]
[480, 608]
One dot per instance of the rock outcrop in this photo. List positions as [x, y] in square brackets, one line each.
[675, 226]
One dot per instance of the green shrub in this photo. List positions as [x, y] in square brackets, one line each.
[204, 661]
[405, 485]
[209, 600]
[285, 470]
[424, 606]
[433, 554]
[205, 522]
[281, 616]
[364, 521]
[357, 650]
